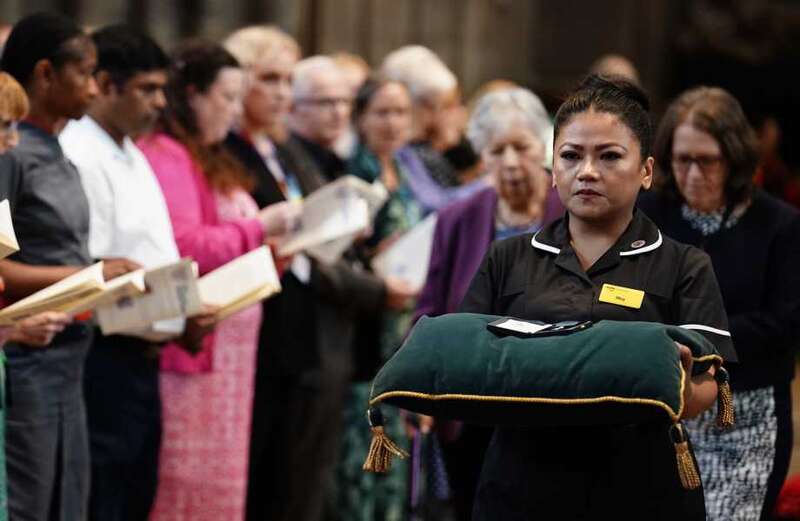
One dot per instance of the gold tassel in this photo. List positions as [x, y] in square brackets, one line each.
[725, 415]
[687, 470]
[381, 451]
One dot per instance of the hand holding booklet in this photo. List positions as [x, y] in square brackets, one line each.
[81, 291]
[240, 283]
[171, 293]
[333, 216]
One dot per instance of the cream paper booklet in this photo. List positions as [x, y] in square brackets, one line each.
[75, 294]
[409, 257]
[8, 239]
[172, 292]
[331, 251]
[333, 215]
[240, 283]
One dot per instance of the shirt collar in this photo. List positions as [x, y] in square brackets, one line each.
[32, 137]
[120, 152]
[641, 236]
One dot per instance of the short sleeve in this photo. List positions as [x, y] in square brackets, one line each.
[9, 179]
[699, 302]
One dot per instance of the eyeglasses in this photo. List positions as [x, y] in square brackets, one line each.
[326, 103]
[706, 163]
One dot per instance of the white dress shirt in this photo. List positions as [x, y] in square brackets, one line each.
[128, 213]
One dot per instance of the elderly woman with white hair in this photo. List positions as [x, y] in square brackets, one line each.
[512, 132]
[438, 114]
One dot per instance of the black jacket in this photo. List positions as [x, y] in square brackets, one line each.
[757, 263]
[306, 323]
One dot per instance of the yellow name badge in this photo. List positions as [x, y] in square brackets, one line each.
[630, 298]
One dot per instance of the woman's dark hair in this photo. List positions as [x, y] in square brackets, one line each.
[41, 36]
[195, 67]
[613, 95]
[124, 52]
[716, 112]
[367, 92]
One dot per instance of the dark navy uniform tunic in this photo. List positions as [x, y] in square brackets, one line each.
[619, 472]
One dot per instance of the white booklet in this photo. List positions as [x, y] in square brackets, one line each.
[333, 216]
[331, 251]
[172, 293]
[8, 239]
[240, 283]
[68, 295]
[409, 257]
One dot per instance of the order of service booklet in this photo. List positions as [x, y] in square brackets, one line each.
[240, 283]
[171, 293]
[81, 291]
[332, 217]
[409, 256]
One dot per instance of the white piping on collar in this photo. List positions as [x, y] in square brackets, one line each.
[645, 249]
[545, 247]
[553, 249]
[710, 329]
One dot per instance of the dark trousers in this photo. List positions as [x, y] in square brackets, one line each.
[124, 415]
[626, 472]
[296, 433]
[783, 448]
[463, 458]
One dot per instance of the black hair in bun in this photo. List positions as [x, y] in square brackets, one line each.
[613, 95]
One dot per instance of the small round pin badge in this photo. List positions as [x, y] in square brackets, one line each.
[638, 244]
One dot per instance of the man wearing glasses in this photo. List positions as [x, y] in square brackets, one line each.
[307, 360]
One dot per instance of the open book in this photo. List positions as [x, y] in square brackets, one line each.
[334, 215]
[8, 239]
[240, 283]
[408, 258]
[172, 293]
[75, 294]
[331, 251]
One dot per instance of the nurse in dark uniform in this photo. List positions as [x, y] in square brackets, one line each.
[601, 162]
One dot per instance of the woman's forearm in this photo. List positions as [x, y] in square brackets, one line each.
[23, 279]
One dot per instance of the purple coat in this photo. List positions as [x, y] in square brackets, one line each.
[464, 232]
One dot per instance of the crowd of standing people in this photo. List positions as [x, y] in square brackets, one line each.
[113, 149]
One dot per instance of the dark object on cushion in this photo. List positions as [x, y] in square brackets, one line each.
[452, 366]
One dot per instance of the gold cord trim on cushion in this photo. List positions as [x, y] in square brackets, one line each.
[517, 399]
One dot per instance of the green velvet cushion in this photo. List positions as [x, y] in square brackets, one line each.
[614, 372]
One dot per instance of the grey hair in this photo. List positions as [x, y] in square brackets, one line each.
[420, 70]
[497, 110]
[305, 70]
